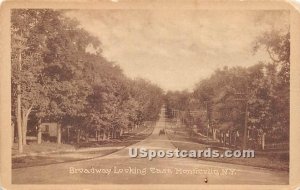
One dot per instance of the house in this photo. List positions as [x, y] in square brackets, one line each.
[49, 129]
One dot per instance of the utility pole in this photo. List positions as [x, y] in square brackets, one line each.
[245, 126]
[245, 135]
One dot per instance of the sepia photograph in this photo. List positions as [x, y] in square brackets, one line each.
[149, 96]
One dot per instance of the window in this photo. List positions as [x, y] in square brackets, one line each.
[47, 128]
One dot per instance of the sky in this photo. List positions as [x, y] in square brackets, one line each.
[175, 49]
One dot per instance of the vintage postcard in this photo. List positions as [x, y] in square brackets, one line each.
[140, 94]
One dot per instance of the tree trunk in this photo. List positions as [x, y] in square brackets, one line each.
[234, 138]
[19, 120]
[263, 141]
[96, 135]
[245, 138]
[111, 135]
[121, 132]
[39, 133]
[115, 134]
[58, 133]
[24, 123]
[86, 137]
[78, 136]
[13, 132]
[24, 128]
[68, 134]
[104, 135]
[19, 116]
[108, 135]
[214, 133]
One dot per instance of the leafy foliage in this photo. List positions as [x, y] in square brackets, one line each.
[264, 88]
[65, 82]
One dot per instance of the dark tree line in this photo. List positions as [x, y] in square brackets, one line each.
[59, 75]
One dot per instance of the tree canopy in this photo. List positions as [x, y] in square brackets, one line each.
[263, 87]
[65, 79]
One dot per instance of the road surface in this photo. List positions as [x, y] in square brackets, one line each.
[119, 168]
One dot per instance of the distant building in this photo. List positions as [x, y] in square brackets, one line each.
[49, 129]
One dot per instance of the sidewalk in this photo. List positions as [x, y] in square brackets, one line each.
[66, 151]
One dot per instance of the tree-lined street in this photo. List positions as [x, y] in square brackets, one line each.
[72, 87]
[62, 173]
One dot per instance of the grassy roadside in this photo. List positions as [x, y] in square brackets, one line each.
[270, 160]
[126, 140]
[63, 154]
[30, 161]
